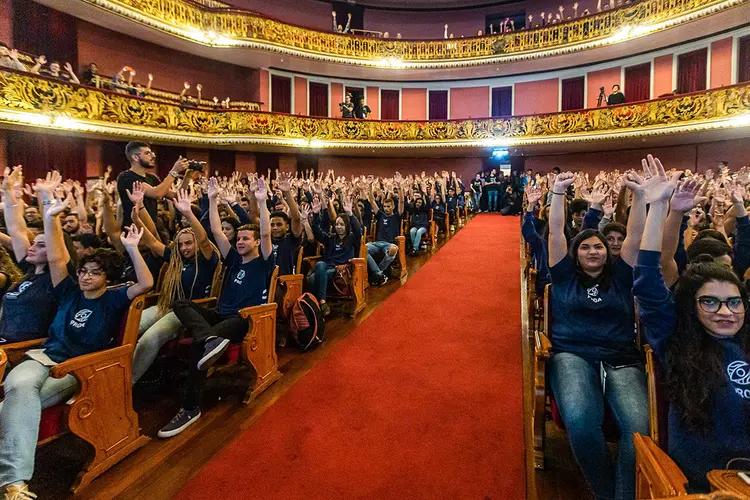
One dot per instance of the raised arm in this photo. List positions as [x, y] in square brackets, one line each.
[164, 187]
[683, 200]
[261, 194]
[557, 244]
[222, 243]
[57, 253]
[182, 203]
[637, 218]
[145, 280]
[136, 197]
[285, 185]
[13, 212]
[149, 240]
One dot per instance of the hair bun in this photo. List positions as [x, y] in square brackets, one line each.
[703, 258]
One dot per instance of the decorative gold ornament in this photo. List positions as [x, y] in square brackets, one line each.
[33, 101]
[216, 24]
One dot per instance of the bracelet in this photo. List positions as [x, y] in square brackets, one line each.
[47, 202]
[561, 194]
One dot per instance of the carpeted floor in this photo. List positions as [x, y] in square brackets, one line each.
[422, 401]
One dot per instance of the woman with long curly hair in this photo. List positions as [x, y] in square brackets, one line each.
[9, 272]
[191, 274]
[700, 336]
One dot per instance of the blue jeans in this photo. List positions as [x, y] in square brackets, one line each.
[386, 249]
[321, 275]
[28, 390]
[492, 201]
[576, 384]
[475, 197]
[415, 234]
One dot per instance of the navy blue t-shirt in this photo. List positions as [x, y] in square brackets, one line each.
[196, 286]
[285, 253]
[388, 226]
[82, 326]
[28, 307]
[245, 285]
[593, 323]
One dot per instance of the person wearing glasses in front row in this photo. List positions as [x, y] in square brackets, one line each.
[88, 317]
[699, 334]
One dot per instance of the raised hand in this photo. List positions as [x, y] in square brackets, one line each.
[686, 196]
[305, 212]
[180, 165]
[199, 87]
[253, 182]
[738, 195]
[213, 188]
[182, 202]
[533, 195]
[68, 67]
[599, 195]
[347, 206]
[658, 187]
[49, 184]
[131, 236]
[261, 192]
[316, 206]
[634, 182]
[285, 182]
[563, 182]
[41, 60]
[608, 208]
[136, 196]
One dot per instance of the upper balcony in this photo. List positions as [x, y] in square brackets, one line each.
[213, 29]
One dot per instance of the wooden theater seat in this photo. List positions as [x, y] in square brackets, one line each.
[656, 475]
[292, 285]
[3, 363]
[101, 411]
[398, 267]
[542, 353]
[657, 403]
[358, 284]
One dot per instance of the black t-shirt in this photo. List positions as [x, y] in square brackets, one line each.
[246, 284]
[285, 253]
[125, 181]
[196, 285]
[128, 270]
[388, 226]
[618, 98]
[477, 185]
[64, 76]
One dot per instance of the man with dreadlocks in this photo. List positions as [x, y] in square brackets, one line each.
[191, 274]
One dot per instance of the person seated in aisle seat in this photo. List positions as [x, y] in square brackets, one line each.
[340, 246]
[615, 234]
[249, 265]
[578, 209]
[191, 264]
[438, 212]
[85, 244]
[29, 306]
[388, 226]
[476, 192]
[86, 321]
[452, 205]
[537, 243]
[699, 333]
[595, 361]
[419, 223]
[286, 243]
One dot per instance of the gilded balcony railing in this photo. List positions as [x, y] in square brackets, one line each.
[29, 100]
[207, 22]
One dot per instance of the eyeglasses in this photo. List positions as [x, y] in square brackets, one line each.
[94, 273]
[713, 305]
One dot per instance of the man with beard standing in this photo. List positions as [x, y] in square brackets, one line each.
[143, 160]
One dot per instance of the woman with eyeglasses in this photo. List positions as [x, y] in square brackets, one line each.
[88, 317]
[699, 334]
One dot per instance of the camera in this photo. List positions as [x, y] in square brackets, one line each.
[196, 165]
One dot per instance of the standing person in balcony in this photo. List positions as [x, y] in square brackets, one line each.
[363, 110]
[616, 97]
[9, 58]
[54, 72]
[337, 27]
[347, 107]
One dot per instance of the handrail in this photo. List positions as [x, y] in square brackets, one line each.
[210, 23]
[32, 100]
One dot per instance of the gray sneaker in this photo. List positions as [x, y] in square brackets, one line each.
[212, 351]
[180, 422]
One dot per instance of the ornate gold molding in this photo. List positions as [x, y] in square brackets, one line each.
[32, 101]
[214, 24]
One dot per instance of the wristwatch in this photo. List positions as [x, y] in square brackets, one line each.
[174, 174]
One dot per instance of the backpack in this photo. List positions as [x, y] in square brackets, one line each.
[306, 322]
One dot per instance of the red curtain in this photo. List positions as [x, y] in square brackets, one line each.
[113, 155]
[572, 93]
[389, 104]
[37, 29]
[743, 65]
[281, 94]
[438, 105]
[221, 160]
[691, 71]
[638, 83]
[502, 101]
[318, 95]
[40, 153]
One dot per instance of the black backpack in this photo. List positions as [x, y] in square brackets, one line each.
[306, 323]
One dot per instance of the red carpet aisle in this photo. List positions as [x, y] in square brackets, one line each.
[422, 401]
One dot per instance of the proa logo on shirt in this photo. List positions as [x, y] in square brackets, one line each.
[240, 276]
[275, 249]
[738, 373]
[23, 286]
[80, 318]
[337, 247]
[593, 294]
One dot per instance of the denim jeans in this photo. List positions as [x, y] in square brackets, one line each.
[321, 275]
[415, 234]
[28, 390]
[154, 331]
[475, 197]
[492, 201]
[375, 248]
[576, 384]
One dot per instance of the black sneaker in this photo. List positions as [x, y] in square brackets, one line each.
[325, 309]
[212, 351]
[381, 279]
[180, 422]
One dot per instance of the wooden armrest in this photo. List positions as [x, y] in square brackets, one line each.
[542, 345]
[657, 476]
[249, 312]
[3, 362]
[15, 351]
[312, 259]
[208, 301]
[73, 364]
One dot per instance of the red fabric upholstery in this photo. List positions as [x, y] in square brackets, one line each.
[53, 422]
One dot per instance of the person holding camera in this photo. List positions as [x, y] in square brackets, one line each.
[347, 107]
[142, 162]
[616, 97]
